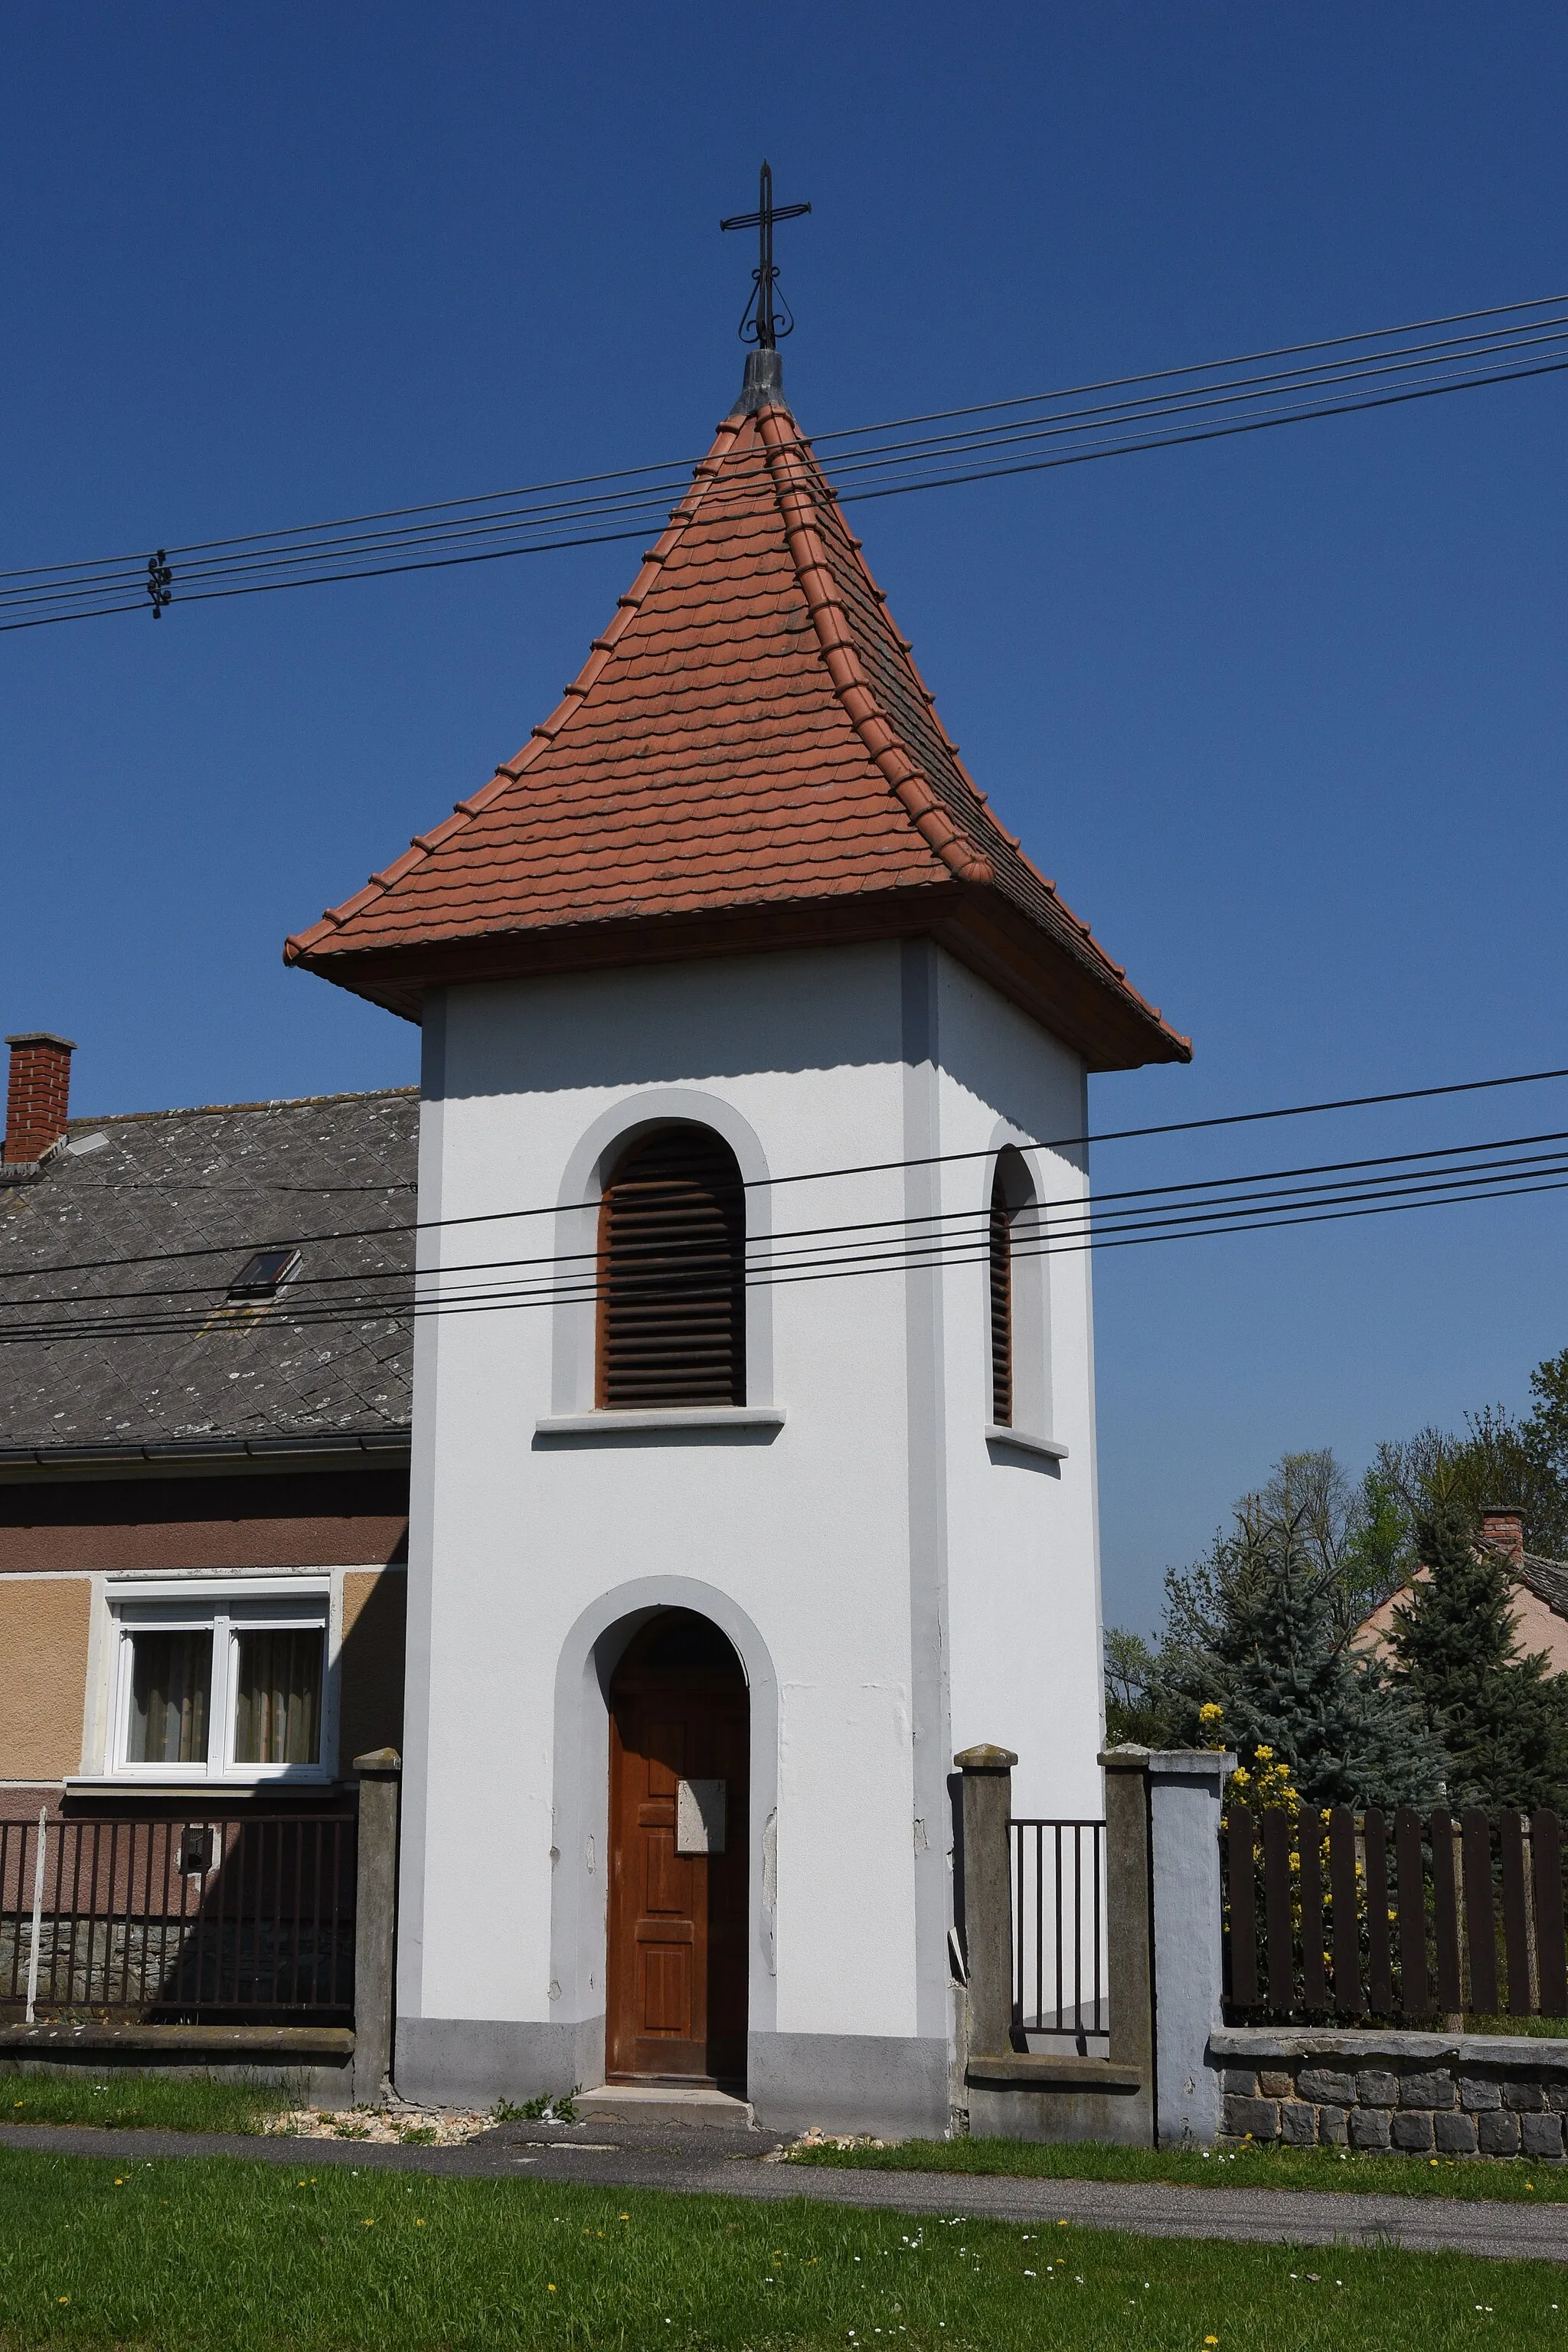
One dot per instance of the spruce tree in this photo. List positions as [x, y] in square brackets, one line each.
[1266, 1646]
[1501, 1715]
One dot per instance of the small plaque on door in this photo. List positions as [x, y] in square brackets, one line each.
[699, 1810]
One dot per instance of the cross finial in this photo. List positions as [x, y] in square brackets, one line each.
[760, 322]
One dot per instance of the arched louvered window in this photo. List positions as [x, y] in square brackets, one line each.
[672, 1258]
[1001, 1305]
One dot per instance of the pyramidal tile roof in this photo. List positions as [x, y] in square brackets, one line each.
[748, 759]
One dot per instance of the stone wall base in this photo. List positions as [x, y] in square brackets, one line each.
[313, 2063]
[1407, 2094]
[1061, 2118]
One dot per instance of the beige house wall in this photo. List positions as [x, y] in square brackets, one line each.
[1537, 1627]
[370, 1685]
[44, 1628]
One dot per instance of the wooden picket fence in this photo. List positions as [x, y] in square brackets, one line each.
[1348, 1914]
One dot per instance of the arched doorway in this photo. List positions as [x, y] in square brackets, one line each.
[679, 1804]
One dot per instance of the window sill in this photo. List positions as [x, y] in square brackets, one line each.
[675, 1421]
[1019, 1441]
[178, 1784]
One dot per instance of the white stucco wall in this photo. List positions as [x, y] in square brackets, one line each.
[1024, 1555]
[894, 1590]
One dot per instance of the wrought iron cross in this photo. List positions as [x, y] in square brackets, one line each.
[760, 322]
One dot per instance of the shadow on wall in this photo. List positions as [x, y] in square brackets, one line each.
[369, 1679]
[296, 1518]
[802, 1010]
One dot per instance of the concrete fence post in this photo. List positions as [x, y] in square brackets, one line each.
[988, 1896]
[1186, 1794]
[1128, 1913]
[376, 1922]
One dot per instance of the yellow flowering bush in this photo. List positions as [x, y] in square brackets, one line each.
[1265, 1786]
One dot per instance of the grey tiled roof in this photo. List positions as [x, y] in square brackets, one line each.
[228, 1181]
[1548, 1580]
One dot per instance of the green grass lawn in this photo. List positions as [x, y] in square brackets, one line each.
[131, 2101]
[227, 2256]
[1514, 2178]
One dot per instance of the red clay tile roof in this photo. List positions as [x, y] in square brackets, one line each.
[748, 758]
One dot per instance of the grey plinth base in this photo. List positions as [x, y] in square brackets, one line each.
[472, 2062]
[1057, 2101]
[892, 2087]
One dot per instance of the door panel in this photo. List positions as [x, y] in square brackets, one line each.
[666, 1990]
[667, 1886]
[676, 1997]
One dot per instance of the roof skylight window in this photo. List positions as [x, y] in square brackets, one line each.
[263, 1276]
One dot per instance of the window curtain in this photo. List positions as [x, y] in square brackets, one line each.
[277, 1702]
[171, 1676]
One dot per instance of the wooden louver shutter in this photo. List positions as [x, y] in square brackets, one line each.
[672, 1255]
[1001, 1308]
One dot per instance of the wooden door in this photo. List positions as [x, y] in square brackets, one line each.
[676, 1997]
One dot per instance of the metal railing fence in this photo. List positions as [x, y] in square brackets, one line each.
[1357, 1915]
[1058, 1928]
[248, 1916]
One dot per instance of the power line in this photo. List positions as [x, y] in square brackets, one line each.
[861, 1168]
[886, 425]
[452, 1290]
[624, 503]
[934, 1258]
[1061, 1214]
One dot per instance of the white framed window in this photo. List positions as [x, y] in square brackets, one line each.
[220, 1686]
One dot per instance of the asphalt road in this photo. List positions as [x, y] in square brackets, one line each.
[700, 2161]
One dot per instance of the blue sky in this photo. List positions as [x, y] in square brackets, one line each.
[1284, 717]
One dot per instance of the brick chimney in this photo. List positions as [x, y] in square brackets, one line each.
[39, 1094]
[1504, 1531]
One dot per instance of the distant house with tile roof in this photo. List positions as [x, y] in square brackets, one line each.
[196, 1448]
[752, 1424]
[1538, 1594]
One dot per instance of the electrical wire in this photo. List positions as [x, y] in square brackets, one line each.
[952, 1240]
[887, 424]
[1061, 1213]
[1161, 408]
[858, 1168]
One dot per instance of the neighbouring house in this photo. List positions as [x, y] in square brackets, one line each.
[1538, 1591]
[203, 1465]
[754, 1466]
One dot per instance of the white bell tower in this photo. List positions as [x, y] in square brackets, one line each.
[753, 1461]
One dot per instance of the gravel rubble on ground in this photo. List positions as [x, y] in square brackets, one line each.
[411, 2126]
[384, 2126]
